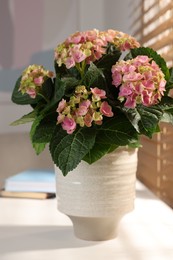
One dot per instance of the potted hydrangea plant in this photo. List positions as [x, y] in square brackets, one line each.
[105, 93]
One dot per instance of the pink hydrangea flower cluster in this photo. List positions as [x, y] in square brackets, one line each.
[89, 46]
[84, 108]
[140, 81]
[125, 42]
[33, 78]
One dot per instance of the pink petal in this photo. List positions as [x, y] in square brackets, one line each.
[106, 109]
[98, 92]
[117, 78]
[61, 106]
[31, 92]
[39, 81]
[130, 102]
[69, 125]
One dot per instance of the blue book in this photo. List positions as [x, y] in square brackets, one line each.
[32, 181]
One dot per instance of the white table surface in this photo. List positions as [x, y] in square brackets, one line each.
[35, 230]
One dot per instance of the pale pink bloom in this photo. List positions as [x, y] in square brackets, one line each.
[39, 81]
[143, 59]
[70, 62]
[93, 44]
[75, 47]
[133, 76]
[106, 109]
[125, 42]
[125, 46]
[154, 65]
[125, 90]
[149, 84]
[75, 38]
[123, 67]
[138, 88]
[148, 75]
[141, 83]
[110, 35]
[33, 78]
[99, 43]
[98, 52]
[146, 98]
[91, 35]
[88, 120]
[162, 86]
[117, 78]
[130, 102]
[81, 111]
[61, 106]
[31, 92]
[116, 68]
[98, 92]
[78, 56]
[85, 103]
[69, 125]
[128, 68]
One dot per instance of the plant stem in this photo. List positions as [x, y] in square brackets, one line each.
[81, 68]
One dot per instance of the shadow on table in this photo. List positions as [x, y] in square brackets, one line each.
[26, 238]
[145, 195]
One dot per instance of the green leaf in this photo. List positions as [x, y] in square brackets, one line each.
[69, 84]
[47, 88]
[39, 147]
[34, 126]
[58, 93]
[41, 131]
[22, 99]
[68, 150]
[171, 75]
[155, 56]
[62, 87]
[133, 116]
[167, 117]
[44, 128]
[150, 117]
[169, 84]
[92, 75]
[166, 103]
[108, 60]
[25, 119]
[98, 151]
[62, 71]
[118, 131]
[144, 119]
[59, 90]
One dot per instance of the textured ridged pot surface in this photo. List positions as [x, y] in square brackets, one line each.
[96, 196]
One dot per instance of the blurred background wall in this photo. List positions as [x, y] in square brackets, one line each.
[29, 32]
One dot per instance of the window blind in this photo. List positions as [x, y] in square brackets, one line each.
[153, 26]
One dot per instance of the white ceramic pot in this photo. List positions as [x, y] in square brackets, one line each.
[96, 196]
